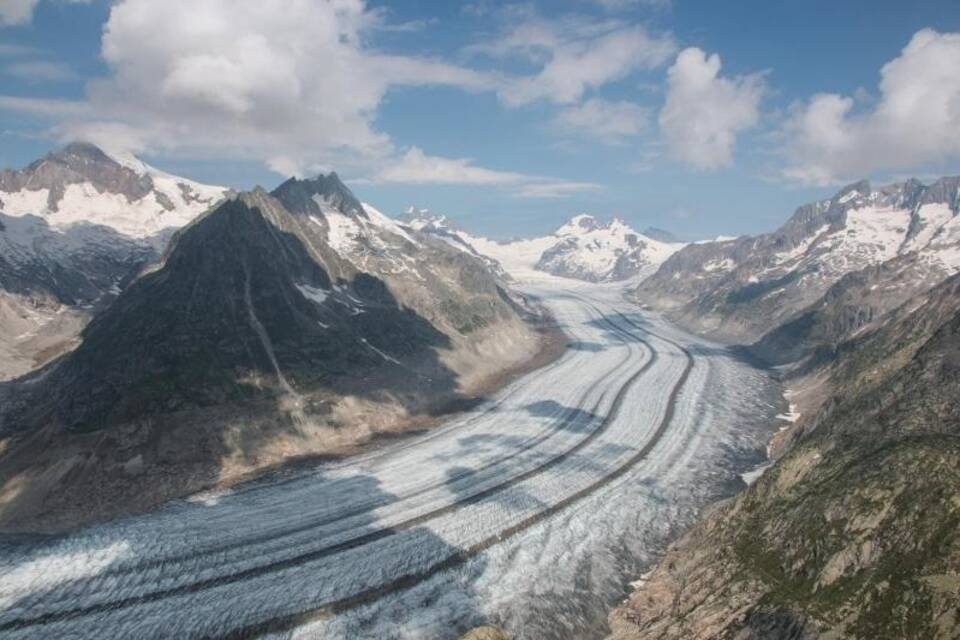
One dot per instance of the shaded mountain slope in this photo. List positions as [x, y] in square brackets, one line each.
[855, 531]
[268, 331]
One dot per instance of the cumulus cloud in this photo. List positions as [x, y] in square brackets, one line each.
[704, 112]
[294, 82]
[602, 120]
[915, 121]
[297, 84]
[573, 54]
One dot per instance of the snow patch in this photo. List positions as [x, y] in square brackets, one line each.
[726, 264]
[312, 293]
[25, 202]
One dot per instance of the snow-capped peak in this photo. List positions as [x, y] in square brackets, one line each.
[82, 184]
[578, 224]
[420, 219]
[588, 249]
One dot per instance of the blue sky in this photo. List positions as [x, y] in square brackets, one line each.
[695, 116]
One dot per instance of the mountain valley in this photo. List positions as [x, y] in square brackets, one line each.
[174, 373]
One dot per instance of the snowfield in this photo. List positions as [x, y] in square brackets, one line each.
[533, 510]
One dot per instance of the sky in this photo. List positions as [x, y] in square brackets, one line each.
[699, 117]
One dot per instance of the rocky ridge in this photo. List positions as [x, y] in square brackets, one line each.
[275, 326]
[740, 289]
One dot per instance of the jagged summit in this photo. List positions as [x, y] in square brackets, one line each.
[314, 195]
[75, 153]
[420, 219]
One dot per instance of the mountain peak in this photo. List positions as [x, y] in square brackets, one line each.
[83, 158]
[79, 183]
[420, 219]
[860, 188]
[579, 223]
[80, 148]
[303, 195]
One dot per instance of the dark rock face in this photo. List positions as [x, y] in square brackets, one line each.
[253, 340]
[853, 304]
[226, 320]
[298, 195]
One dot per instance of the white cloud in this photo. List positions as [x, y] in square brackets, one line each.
[20, 12]
[416, 167]
[289, 80]
[915, 121]
[574, 55]
[704, 112]
[556, 189]
[297, 84]
[603, 120]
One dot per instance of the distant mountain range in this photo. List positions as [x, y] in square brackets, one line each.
[831, 269]
[292, 323]
[583, 248]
